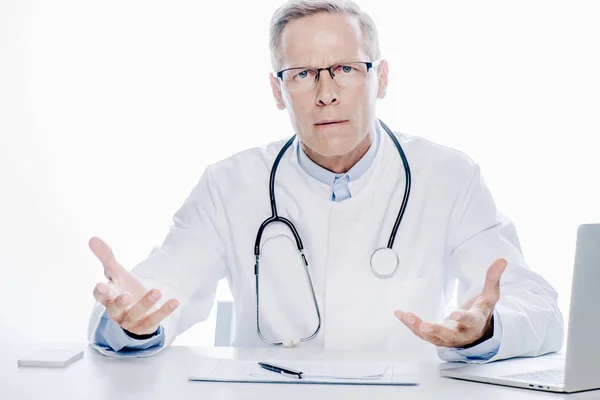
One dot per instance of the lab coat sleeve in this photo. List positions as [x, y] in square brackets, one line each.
[113, 339]
[532, 324]
[188, 267]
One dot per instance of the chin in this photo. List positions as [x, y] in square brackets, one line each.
[331, 147]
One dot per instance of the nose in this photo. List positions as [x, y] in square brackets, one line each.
[327, 93]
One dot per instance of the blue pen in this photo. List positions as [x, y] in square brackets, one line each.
[280, 370]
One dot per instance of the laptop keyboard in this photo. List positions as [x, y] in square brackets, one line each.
[550, 376]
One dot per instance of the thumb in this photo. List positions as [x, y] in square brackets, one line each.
[471, 301]
[104, 253]
[492, 279]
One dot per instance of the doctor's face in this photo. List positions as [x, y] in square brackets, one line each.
[335, 116]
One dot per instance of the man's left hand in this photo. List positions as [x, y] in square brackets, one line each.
[469, 325]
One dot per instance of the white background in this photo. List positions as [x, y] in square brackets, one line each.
[109, 112]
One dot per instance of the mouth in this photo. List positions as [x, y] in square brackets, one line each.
[330, 122]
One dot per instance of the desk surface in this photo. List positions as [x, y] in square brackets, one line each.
[164, 376]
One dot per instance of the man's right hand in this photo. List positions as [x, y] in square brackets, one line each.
[126, 299]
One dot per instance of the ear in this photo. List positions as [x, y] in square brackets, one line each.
[276, 89]
[382, 74]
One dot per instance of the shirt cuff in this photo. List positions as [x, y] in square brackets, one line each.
[482, 352]
[110, 335]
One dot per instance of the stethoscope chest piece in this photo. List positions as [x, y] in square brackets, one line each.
[384, 262]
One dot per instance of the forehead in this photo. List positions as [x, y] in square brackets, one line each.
[320, 40]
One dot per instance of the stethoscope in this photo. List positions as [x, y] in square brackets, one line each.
[384, 260]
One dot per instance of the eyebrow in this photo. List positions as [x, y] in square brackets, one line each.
[311, 67]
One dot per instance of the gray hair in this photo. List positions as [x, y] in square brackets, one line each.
[295, 9]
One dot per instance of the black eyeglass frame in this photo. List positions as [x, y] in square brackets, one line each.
[369, 65]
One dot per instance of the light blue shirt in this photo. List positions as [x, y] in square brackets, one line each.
[111, 336]
[339, 182]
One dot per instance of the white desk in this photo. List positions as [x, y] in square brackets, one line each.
[164, 376]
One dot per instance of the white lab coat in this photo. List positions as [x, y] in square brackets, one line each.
[451, 232]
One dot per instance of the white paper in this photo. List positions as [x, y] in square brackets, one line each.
[225, 370]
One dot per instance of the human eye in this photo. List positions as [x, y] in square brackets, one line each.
[344, 69]
[304, 74]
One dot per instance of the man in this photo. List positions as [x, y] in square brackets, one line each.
[341, 184]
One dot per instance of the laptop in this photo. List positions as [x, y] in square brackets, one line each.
[579, 368]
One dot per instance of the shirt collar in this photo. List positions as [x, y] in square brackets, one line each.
[327, 177]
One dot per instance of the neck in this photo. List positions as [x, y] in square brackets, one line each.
[341, 164]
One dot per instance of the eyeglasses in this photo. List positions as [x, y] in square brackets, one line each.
[345, 75]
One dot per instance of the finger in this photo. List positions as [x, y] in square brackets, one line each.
[410, 320]
[141, 308]
[105, 255]
[490, 294]
[117, 306]
[469, 303]
[492, 278]
[468, 319]
[491, 287]
[484, 307]
[413, 322]
[102, 294]
[399, 314]
[440, 332]
[149, 323]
